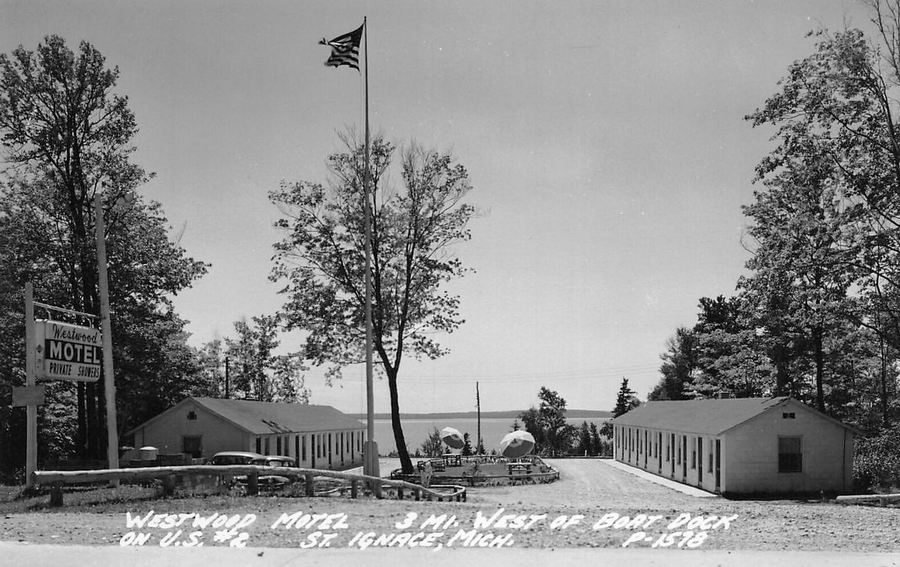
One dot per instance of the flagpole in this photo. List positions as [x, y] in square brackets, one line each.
[370, 467]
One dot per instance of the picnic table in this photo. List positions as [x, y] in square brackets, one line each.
[519, 469]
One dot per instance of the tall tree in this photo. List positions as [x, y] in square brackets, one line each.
[258, 372]
[321, 260]
[547, 424]
[67, 135]
[837, 134]
[626, 399]
[729, 359]
[799, 223]
[677, 369]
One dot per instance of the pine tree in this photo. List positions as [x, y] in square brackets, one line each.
[625, 400]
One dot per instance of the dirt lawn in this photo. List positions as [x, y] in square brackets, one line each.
[582, 509]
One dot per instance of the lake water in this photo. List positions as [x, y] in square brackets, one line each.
[416, 431]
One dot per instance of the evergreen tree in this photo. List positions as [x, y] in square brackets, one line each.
[625, 399]
[467, 446]
[433, 446]
[584, 439]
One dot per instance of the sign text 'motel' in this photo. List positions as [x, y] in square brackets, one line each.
[68, 352]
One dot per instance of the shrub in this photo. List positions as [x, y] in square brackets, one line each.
[876, 465]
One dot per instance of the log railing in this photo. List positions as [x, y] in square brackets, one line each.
[169, 475]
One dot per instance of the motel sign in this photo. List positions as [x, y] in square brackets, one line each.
[67, 352]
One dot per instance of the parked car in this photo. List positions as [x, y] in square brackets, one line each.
[265, 481]
[237, 458]
[280, 461]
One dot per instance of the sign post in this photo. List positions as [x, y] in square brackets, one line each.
[30, 409]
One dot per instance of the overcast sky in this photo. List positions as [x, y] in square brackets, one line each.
[605, 142]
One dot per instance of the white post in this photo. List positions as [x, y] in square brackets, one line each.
[370, 466]
[112, 437]
[31, 409]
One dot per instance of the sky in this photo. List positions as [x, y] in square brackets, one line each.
[605, 142]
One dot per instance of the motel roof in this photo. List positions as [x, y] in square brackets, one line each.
[710, 416]
[262, 418]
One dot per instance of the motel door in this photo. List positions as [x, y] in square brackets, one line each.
[684, 458]
[699, 460]
[718, 463]
[659, 452]
[312, 452]
[672, 455]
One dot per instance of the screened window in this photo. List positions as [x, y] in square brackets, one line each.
[790, 455]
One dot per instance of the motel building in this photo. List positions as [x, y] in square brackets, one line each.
[738, 446]
[316, 436]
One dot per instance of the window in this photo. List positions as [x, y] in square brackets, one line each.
[790, 455]
[693, 452]
[789, 415]
[192, 415]
[710, 466]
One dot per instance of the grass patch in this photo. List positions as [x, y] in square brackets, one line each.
[106, 499]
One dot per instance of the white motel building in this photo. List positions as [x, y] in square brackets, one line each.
[316, 436]
[738, 446]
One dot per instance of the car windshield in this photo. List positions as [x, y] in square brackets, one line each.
[231, 460]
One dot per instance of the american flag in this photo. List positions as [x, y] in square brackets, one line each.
[344, 49]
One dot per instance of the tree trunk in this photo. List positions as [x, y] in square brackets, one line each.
[820, 369]
[399, 439]
[884, 393]
[782, 376]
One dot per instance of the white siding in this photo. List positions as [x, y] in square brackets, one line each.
[748, 454]
[827, 450]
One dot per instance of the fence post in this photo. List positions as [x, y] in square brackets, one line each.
[399, 493]
[253, 484]
[354, 488]
[169, 485]
[310, 489]
[56, 495]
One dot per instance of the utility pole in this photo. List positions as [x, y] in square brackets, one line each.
[227, 392]
[112, 436]
[478, 443]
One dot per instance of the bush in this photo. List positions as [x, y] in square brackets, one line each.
[876, 465]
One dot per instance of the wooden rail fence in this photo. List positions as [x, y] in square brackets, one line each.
[169, 475]
[881, 499]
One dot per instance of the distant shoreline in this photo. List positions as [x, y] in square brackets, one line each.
[509, 414]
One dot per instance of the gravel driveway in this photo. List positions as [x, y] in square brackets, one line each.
[592, 505]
